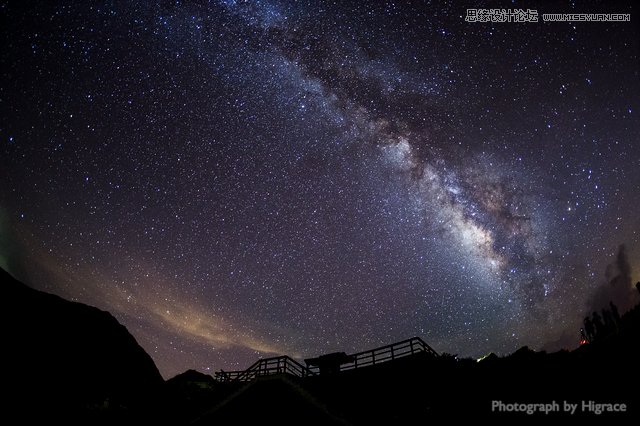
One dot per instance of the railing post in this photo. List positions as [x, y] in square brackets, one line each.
[392, 354]
[411, 344]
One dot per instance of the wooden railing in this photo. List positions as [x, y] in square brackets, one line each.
[266, 367]
[287, 365]
[386, 353]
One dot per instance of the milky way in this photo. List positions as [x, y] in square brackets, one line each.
[236, 179]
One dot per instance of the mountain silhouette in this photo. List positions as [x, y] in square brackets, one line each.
[69, 360]
[192, 378]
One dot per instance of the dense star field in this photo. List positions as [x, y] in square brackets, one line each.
[238, 179]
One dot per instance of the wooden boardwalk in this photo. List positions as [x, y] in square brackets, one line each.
[287, 365]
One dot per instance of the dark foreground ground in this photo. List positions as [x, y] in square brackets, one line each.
[68, 363]
[419, 389]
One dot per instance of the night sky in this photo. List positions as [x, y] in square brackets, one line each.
[234, 180]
